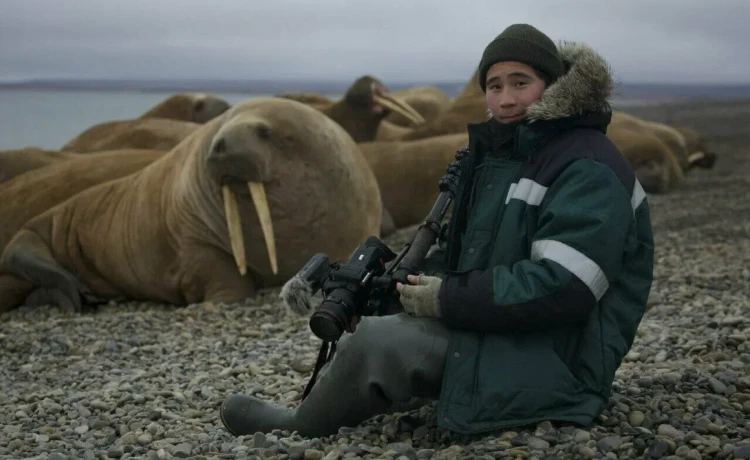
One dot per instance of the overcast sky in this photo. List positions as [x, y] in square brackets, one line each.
[395, 40]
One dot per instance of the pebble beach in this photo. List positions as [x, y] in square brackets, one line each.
[145, 381]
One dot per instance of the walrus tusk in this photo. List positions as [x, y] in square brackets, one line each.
[399, 106]
[235, 229]
[696, 156]
[264, 215]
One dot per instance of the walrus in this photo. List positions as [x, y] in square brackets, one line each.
[688, 155]
[672, 138]
[391, 131]
[409, 172]
[428, 101]
[469, 106]
[139, 133]
[316, 100]
[17, 162]
[34, 192]
[203, 222]
[655, 166]
[195, 107]
[363, 107]
[701, 156]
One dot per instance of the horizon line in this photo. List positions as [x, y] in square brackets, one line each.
[7, 81]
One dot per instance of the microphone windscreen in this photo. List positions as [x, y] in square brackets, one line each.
[296, 294]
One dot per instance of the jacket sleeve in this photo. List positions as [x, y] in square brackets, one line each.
[584, 220]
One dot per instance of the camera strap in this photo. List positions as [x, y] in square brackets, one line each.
[324, 356]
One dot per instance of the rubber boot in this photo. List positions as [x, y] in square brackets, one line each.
[389, 363]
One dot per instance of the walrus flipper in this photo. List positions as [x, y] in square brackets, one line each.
[40, 297]
[12, 291]
[28, 258]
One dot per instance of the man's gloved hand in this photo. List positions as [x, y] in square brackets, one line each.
[421, 297]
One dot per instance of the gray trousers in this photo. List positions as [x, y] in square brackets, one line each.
[389, 364]
[390, 359]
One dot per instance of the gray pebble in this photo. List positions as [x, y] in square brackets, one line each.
[536, 443]
[669, 431]
[609, 443]
[128, 439]
[742, 452]
[587, 452]
[313, 454]
[115, 452]
[636, 417]
[182, 450]
[582, 436]
[717, 386]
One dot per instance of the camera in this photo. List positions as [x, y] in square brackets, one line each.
[356, 288]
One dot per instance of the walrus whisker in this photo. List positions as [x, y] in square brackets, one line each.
[234, 224]
[258, 193]
[398, 106]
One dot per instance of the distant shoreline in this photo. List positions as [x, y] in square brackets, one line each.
[622, 90]
[128, 90]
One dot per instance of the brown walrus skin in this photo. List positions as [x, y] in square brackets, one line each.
[428, 101]
[314, 100]
[654, 164]
[409, 172]
[16, 162]
[195, 107]
[161, 234]
[30, 194]
[139, 133]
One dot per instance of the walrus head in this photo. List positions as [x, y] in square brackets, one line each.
[702, 160]
[310, 186]
[207, 107]
[699, 154]
[195, 107]
[239, 156]
[368, 93]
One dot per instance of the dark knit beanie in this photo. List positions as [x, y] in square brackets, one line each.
[522, 43]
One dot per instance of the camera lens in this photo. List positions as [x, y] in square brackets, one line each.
[330, 320]
[326, 325]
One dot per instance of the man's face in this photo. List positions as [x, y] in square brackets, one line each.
[511, 87]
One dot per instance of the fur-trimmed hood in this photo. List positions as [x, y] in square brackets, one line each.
[585, 87]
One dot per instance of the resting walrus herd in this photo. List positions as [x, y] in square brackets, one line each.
[198, 200]
[237, 205]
